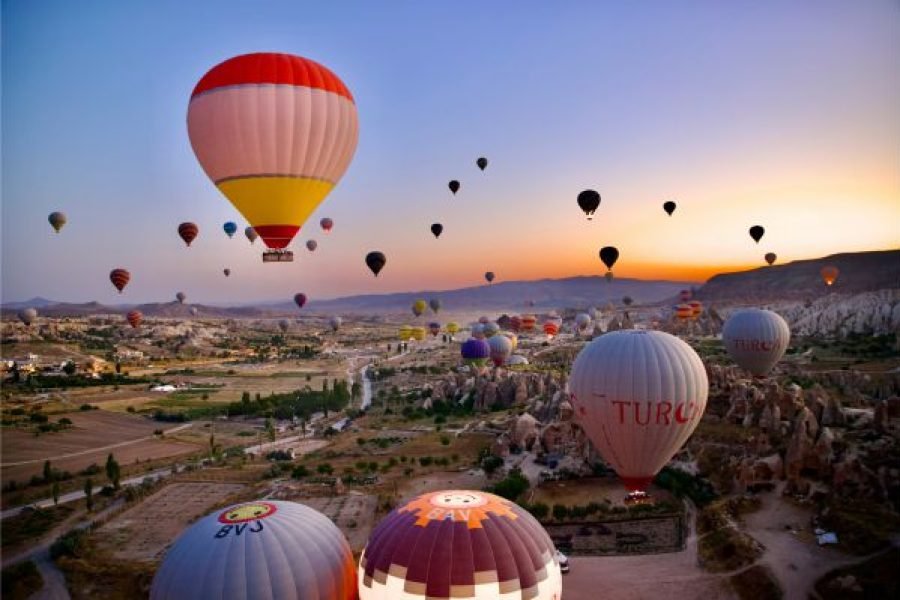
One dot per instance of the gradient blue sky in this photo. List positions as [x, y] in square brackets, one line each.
[779, 113]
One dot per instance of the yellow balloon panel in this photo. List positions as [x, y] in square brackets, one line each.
[275, 200]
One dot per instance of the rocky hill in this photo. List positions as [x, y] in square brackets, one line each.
[801, 280]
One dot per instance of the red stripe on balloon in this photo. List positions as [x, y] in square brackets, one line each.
[277, 236]
[271, 68]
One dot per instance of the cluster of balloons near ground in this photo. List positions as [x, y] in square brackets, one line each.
[479, 546]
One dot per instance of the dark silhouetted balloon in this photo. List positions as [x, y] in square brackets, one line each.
[326, 224]
[311, 245]
[756, 232]
[454, 186]
[482, 163]
[771, 257]
[134, 318]
[119, 278]
[299, 300]
[188, 232]
[57, 220]
[229, 227]
[609, 255]
[589, 200]
[376, 261]
[251, 234]
[180, 297]
[489, 276]
[669, 207]
[627, 300]
[437, 229]
[227, 272]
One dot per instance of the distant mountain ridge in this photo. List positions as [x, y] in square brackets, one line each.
[801, 279]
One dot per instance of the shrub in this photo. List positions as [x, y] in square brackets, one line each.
[560, 512]
[445, 441]
[539, 510]
[512, 486]
[425, 461]
[68, 544]
[299, 472]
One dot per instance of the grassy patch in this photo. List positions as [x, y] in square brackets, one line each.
[727, 549]
[874, 578]
[756, 583]
[863, 527]
[32, 524]
[21, 580]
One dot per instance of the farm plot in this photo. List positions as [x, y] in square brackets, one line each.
[142, 533]
[353, 514]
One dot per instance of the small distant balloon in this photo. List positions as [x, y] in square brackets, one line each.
[756, 232]
[251, 234]
[299, 300]
[180, 296]
[669, 207]
[482, 163]
[227, 272]
[627, 300]
[589, 201]
[230, 228]
[609, 255]
[489, 276]
[335, 323]
[771, 257]
[57, 220]
[27, 315]
[119, 278]
[454, 186]
[134, 318]
[326, 224]
[418, 307]
[376, 261]
[829, 274]
[188, 232]
[195, 311]
[437, 229]
[284, 325]
[311, 245]
[435, 305]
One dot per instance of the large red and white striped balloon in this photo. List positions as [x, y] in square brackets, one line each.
[275, 133]
[756, 339]
[638, 395]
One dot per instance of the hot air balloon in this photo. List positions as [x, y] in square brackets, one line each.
[477, 331]
[627, 300]
[669, 207]
[452, 327]
[490, 329]
[829, 274]
[489, 276]
[513, 339]
[589, 201]
[417, 333]
[435, 304]
[227, 272]
[180, 297]
[375, 262]
[57, 220]
[335, 323]
[27, 315]
[483, 319]
[551, 328]
[756, 232]
[275, 133]
[685, 295]
[418, 307]
[609, 255]
[251, 234]
[638, 395]
[188, 232]
[299, 300]
[475, 351]
[326, 224]
[134, 318]
[195, 311]
[311, 245]
[119, 278]
[501, 348]
[684, 312]
[515, 323]
[405, 332]
[229, 228]
[284, 325]
[482, 163]
[582, 322]
[756, 339]
[437, 229]
[479, 546]
[434, 328]
[528, 322]
[454, 186]
[771, 257]
[696, 308]
[261, 549]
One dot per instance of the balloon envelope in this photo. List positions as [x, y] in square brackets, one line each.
[180, 296]
[119, 278]
[489, 276]
[480, 546]
[134, 318]
[262, 549]
[437, 229]
[669, 207]
[829, 274]
[500, 347]
[275, 133]
[335, 323]
[435, 304]
[27, 315]
[229, 228]
[756, 232]
[756, 339]
[589, 201]
[188, 232]
[638, 395]
[57, 220]
[299, 300]
[311, 245]
[609, 255]
[375, 261]
[454, 186]
[771, 257]
[482, 163]
[326, 224]
[418, 307]
[475, 351]
[251, 234]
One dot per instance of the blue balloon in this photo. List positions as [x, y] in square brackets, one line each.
[229, 228]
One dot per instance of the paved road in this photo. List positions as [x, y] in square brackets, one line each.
[92, 450]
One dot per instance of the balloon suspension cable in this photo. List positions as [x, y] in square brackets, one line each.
[278, 256]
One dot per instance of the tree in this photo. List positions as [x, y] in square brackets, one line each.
[270, 429]
[118, 367]
[54, 491]
[355, 390]
[48, 471]
[113, 472]
[69, 368]
[89, 493]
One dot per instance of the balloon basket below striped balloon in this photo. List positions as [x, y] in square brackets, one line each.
[278, 256]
